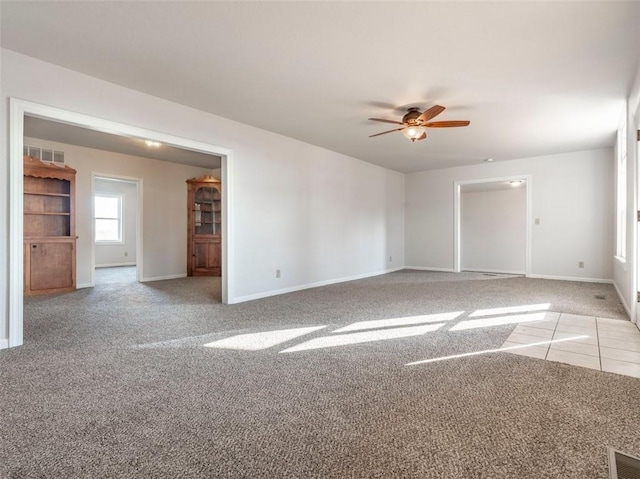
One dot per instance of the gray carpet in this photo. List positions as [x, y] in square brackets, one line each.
[114, 381]
[115, 274]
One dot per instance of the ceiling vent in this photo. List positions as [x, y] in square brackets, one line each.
[623, 466]
[44, 154]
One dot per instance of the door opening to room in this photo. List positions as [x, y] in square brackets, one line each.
[113, 239]
[116, 230]
[51, 132]
[493, 227]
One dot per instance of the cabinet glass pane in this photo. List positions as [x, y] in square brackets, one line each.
[206, 211]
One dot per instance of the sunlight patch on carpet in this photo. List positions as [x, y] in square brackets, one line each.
[498, 321]
[510, 309]
[395, 322]
[364, 337]
[263, 340]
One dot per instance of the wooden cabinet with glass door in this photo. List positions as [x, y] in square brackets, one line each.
[204, 252]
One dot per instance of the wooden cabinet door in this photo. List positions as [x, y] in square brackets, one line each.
[206, 257]
[51, 265]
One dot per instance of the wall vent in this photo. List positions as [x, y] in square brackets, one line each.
[44, 154]
[623, 466]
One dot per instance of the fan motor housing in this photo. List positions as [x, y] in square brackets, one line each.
[411, 116]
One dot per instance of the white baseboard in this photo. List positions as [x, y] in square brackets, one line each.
[497, 271]
[162, 278]
[84, 285]
[570, 278]
[276, 292]
[428, 268]
[114, 265]
[624, 303]
[4, 343]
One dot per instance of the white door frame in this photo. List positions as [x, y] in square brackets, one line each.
[635, 154]
[18, 109]
[139, 213]
[456, 216]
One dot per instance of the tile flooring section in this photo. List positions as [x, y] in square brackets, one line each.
[610, 345]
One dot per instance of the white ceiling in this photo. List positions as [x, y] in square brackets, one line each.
[534, 78]
[73, 135]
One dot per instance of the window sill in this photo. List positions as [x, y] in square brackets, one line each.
[107, 243]
[620, 259]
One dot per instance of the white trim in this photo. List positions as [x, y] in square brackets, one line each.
[276, 292]
[162, 278]
[16, 232]
[570, 278]
[429, 268]
[110, 242]
[457, 255]
[85, 285]
[498, 271]
[4, 343]
[227, 233]
[114, 265]
[17, 110]
[624, 303]
[620, 260]
[635, 149]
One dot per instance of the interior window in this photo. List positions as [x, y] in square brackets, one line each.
[108, 217]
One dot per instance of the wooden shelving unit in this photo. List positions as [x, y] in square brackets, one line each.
[49, 228]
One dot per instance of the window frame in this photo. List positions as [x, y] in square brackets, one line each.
[120, 218]
[621, 192]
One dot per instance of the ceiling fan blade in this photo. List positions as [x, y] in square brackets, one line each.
[385, 132]
[422, 137]
[430, 113]
[446, 124]
[387, 121]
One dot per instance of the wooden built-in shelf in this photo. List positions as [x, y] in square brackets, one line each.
[204, 257]
[49, 228]
[46, 213]
[42, 193]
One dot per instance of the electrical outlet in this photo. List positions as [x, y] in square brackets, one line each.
[390, 259]
[277, 273]
[537, 221]
[126, 254]
[580, 264]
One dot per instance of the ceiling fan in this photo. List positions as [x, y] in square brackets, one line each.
[415, 123]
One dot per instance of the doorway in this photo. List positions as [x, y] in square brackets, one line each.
[19, 109]
[116, 229]
[492, 225]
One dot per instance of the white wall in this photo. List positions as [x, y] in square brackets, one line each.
[493, 230]
[572, 196]
[164, 204]
[124, 253]
[317, 215]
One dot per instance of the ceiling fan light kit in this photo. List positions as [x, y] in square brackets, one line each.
[415, 123]
[414, 133]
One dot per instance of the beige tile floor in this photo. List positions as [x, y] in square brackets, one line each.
[609, 345]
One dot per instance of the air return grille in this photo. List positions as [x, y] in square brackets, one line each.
[44, 154]
[623, 466]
